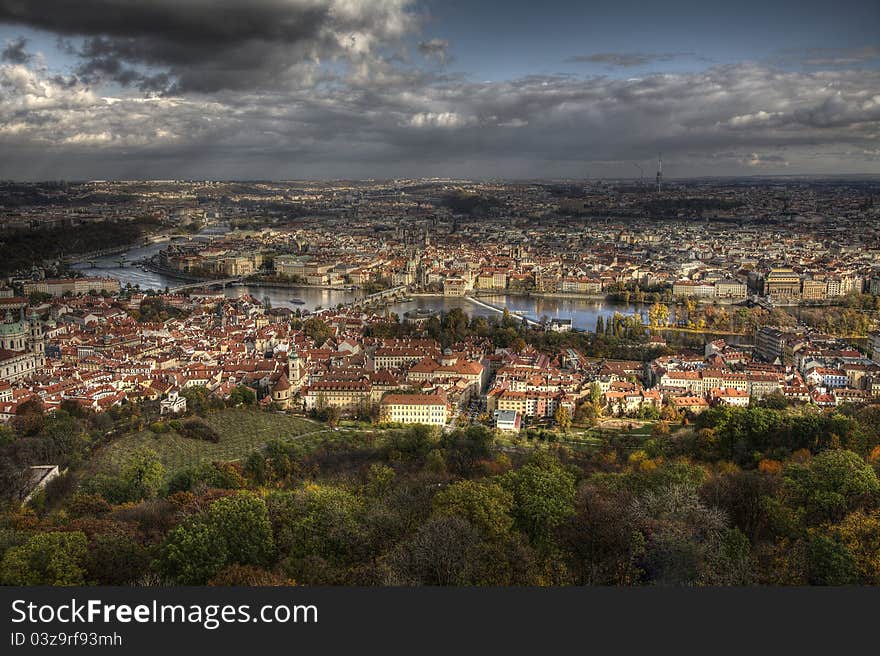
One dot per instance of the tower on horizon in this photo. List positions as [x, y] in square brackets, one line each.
[659, 171]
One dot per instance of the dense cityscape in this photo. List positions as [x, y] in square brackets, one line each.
[599, 319]
[304, 298]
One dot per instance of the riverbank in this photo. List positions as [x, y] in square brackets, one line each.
[75, 258]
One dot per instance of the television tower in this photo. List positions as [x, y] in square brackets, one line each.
[659, 171]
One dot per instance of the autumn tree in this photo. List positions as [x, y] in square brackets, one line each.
[859, 532]
[658, 315]
[562, 417]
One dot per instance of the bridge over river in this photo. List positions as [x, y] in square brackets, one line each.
[204, 284]
[529, 320]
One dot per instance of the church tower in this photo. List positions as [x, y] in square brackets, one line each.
[294, 368]
[36, 341]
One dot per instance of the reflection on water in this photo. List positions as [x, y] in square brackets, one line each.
[134, 274]
[582, 312]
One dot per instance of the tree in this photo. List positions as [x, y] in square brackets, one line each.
[242, 395]
[116, 558]
[332, 415]
[658, 315]
[316, 522]
[52, 558]
[454, 326]
[193, 553]
[660, 429]
[380, 480]
[486, 505]
[562, 417]
[234, 529]
[29, 417]
[414, 443]
[445, 550]
[243, 522]
[829, 486]
[197, 399]
[468, 449]
[317, 330]
[829, 562]
[143, 475]
[687, 542]
[543, 493]
[601, 540]
[859, 532]
[585, 413]
[66, 434]
[595, 393]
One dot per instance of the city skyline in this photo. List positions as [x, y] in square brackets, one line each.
[319, 89]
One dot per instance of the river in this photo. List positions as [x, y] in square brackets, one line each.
[582, 312]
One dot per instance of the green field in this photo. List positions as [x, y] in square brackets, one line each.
[241, 430]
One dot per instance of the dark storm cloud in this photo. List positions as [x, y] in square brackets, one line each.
[207, 45]
[309, 88]
[15, 52]
[624, 59]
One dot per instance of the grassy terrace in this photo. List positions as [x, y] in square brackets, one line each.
[242, 431]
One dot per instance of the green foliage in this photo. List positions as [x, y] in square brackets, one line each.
[742, 432]
[315, 520]
[154, 310]
[242, 395]
[486, 505]
[211, 475]
[317, 330]
[832, 484]
[689, 543]
[543, 495]
[316, 527]
[52, 558]
[25, 248]
[234, 530]
[830, 562]
[465, 449]
[414, 443]
[735, 500]
[193, 553]
[143, 476]
[639, 481]
[198, 429]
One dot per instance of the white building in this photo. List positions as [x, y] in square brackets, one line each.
[173, 404]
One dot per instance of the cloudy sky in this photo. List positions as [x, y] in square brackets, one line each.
[289, 89]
